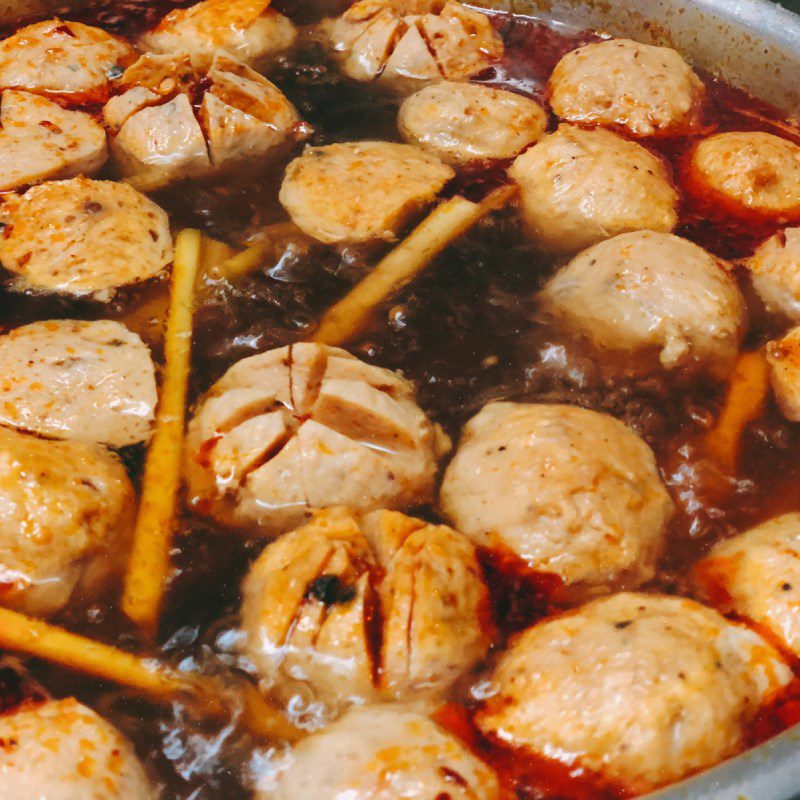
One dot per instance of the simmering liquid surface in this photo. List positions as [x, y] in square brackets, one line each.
[466, 332]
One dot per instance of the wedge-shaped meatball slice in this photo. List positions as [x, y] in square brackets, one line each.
[40, 141]
[68, 60]
[61, 750]
[66, 513]
[756, 575]
[83, 237]
[360, 191]
[348, 610]
[305, 427]
[775, 272]
[783, 356]
[70, 379]
[638, 88]
[747, 174]
[382, 753]
[571, 492]
[652, 296]
[170, 122]
[466, 122]
[407, 43]
[642, 689]
[246, 29]
[579, 187]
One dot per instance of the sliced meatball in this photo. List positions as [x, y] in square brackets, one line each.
[83, 237]
[171, 123]
[571, 492]
[305, 427]
[756, 575]
[640, 89]
[775, 272]
[642, 689]
[465, 122]
[349, 610]
[70, 379]
[405, 43]
[579, 187]
[360, 191]
[246, 29]
[41, 141]
[748, 174]
[66, 514]
[161, 144]
[652, 294]
[61, 750]
[382, 753]
[783, 356]
[69, 60]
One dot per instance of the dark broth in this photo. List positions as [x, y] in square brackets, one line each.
[466, 332]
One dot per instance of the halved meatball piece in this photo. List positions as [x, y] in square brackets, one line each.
[382, 753]
[775, 272]
[83, 237]
[639, 88]
[747, 174]
[465, 122]
[360, 191]
[69, 60]
[350, 610]
[69, 379]
[579, 187]
[783, 356]
[571, 492]
[642, 689]
[305, 427]
[756, 575]
[171, 123]
[246, 29]
[62, 750]
[66, 515]
[40, 141]
[407, 43]
[654, 296]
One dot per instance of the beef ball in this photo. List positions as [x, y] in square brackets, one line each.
[783, 356]
[652, 295]
[66, 516]
[639, 88]
[462, 123]
[168, 122]
[306, 427]
[756, 575]
[775, 272]
[245, 29]
[72, 379]
[61, 750]
[350, 610]
[382, 753]
[41, 141]
[82, 237]
[747, 174]
[360, 191]
[66, 60]
[579, 187]
[570, 492]
[641, 689]
[405, 44]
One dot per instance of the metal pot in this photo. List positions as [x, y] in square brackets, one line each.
[755, 45]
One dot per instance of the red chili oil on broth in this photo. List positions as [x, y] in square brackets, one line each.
[466, 332]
